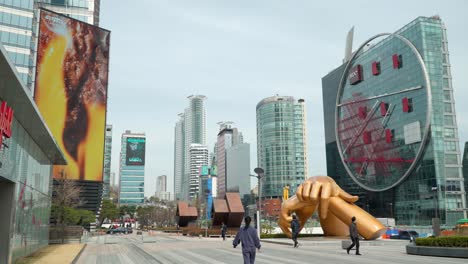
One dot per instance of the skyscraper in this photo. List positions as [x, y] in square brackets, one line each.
[161, 188]
[233, 161]
[402, 154]
[227, 137]
[190, 129]
[238, 169]
[132, 168]
[179, 156]
[198, 156]
[18, 30]
[281, 143]
[107, 162]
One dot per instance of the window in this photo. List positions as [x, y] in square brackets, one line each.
[452, 172]
[450, 146]
[451, 159]
[447, 95]
[447, 107]
[449, 132]
[448, 120]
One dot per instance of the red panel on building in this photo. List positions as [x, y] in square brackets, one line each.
[397, 61]
[407, 104]
[362, 112]
[367, 137]
[375, 68]
[383, 108]
[388, 135]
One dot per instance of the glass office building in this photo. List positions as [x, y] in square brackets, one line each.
[435, 187]
[132, 169]
[18, 28]
[16, 34]
[27, 153]
[281, 144]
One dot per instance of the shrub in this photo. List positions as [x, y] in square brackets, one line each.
[453, 241]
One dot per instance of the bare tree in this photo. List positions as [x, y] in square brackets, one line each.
[66, 194]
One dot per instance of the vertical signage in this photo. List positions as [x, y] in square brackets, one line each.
[6, 119]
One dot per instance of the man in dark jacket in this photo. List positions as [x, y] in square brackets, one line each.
[223, 231]
[353, 233]
[295, 226]
[249, 239]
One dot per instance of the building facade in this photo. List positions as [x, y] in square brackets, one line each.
[465, 166]
[107, 162]
[281, 144]
[17, 22]
[198, 155]
[189, 129]
[132, 169]
[238, 169]
[161, 188]
[376, 162]
[27, 153]
[18, 28]
[84, 10]
[179, 156]
[227, 137]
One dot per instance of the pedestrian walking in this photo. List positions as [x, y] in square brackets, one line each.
[295, 226]
[247, 235]
[223, 231]
[353, 233]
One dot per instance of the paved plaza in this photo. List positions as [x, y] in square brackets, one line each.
[164, 248]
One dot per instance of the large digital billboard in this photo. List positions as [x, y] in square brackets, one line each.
[135, 151]
[71, 91]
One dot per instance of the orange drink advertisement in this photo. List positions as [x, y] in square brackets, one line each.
[71, 91]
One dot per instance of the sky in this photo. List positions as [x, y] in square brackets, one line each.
[238, 52]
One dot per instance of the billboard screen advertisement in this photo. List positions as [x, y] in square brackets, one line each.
[71, 91]
[135, 151]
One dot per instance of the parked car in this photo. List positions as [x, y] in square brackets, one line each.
[391, 233]
[414, 234]
[403, 234]
[118, 230]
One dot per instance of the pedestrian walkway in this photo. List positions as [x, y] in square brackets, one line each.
[53, 254]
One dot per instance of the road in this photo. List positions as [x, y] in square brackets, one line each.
[163, 248]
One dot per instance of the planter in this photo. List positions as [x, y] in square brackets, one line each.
[452, 252]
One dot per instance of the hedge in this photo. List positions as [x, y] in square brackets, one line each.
[452, 241]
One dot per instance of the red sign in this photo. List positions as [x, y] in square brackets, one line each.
[6, 119]
[355, 75]
[375, 68]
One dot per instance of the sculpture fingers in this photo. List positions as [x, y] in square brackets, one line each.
[306, 190]
[299, 192]
[325, 199]
[284, 225]
[347, 197]
[314, 193]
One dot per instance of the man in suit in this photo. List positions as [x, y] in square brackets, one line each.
[353, 233]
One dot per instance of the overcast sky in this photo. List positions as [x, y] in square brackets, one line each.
[237, 53]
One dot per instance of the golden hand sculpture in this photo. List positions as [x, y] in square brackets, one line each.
[336, 207]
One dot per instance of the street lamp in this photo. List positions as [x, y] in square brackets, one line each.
[260, 173]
